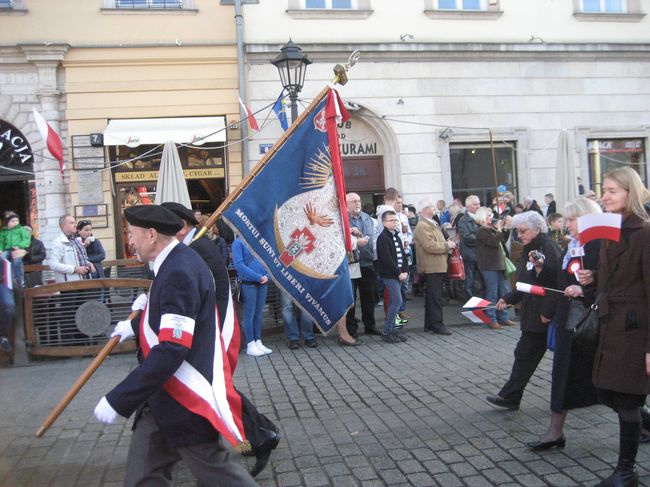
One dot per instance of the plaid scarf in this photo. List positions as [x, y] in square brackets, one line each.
[79, 249]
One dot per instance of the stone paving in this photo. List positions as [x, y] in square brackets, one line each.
[380, 414]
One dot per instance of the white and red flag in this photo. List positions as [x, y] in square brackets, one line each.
[476, 316]
[50, 138]
[6, 273]
[594, 226]
[475, 302]
[531, 289]
[251, 116]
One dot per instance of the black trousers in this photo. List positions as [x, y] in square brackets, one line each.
[433, 301]
[366, 285]
[255, 423]
[529, 351]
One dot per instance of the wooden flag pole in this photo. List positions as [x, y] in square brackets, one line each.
[340, 77]
[81, 381]
[494, 171]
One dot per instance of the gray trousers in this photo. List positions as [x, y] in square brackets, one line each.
[150, 461]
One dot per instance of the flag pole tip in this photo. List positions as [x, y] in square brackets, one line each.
[341, 70]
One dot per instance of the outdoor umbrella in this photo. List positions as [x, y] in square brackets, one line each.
[171, 185]
[566, 186]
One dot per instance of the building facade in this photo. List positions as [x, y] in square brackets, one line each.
[117, 79]
[442, 85]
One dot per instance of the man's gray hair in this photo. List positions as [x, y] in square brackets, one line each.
[528, 199]
[423, 204]
[472, 198]
[62, 219]
[530, 219]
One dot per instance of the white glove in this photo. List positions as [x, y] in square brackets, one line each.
[123, 329]
[140, 303]
[104, 412]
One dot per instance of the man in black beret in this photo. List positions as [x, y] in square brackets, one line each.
[260, 431]
[178, 347]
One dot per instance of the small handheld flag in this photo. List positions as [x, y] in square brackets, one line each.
[475, 302]
[596, 226]
[530, 289]
[50, 138]
[251, 117]
[476, 316]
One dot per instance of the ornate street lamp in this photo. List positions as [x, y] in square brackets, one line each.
[292, 66]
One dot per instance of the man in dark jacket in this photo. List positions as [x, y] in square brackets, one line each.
[467, 228]
[36, 254]
[179, 336]
[538, 267]
[260, 431]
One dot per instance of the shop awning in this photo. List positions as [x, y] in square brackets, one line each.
[186, 130]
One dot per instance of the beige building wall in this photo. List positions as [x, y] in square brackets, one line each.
[118, 64]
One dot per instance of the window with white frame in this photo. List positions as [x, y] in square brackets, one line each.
[7, 3]
[331, 4]
[603, 6]
[461, 4]
[153, 4]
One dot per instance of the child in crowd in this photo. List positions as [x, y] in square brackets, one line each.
[556, 230]
[392, 266]
[14, 242]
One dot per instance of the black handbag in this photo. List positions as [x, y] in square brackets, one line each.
[583, 322]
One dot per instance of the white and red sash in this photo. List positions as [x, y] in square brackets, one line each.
[218, 402]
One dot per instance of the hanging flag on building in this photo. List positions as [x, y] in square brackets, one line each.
[251, 117]
[50, 138]
[278, 108]
[594, 226]
[291, 213]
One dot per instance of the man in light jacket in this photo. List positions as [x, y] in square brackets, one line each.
[68, 257]
[432, 249]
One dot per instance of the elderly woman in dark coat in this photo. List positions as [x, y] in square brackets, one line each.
[538, 266]
[571, 386]
[622, 364]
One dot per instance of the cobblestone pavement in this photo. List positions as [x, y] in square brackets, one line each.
[379, 414]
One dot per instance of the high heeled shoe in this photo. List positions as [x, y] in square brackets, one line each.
[547, 445]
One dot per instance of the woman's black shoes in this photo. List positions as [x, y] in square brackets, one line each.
[547, 445]
[263, 451]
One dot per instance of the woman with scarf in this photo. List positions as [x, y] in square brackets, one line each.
[571, 385]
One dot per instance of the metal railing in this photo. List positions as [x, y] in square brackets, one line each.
[150, 4]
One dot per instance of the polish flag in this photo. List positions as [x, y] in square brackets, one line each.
[596, 226]
[50, 138]
[530, 289]
[251, 117]
[476, 316]
[475, 302]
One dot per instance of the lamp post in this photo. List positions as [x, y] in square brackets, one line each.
[292, 66]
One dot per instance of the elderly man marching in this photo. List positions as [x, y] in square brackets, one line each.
[432, 249]
[171, 389]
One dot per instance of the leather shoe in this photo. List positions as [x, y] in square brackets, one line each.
[263, 451]
[443, 330]
[373, 331]
[345, 343]
[508, 323]
[503, 403]
[494, 326]
[294, 344]
[547, 445]
[311, 343]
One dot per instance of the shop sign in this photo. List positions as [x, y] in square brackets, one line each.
[357, 138]
[615, 145]
[14, 146]
[137, 176]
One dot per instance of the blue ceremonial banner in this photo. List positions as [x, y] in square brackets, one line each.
[290, 216]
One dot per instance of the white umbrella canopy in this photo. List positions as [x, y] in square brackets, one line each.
[171, 185]
[566, 185]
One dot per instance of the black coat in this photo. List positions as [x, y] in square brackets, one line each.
[571, 386]
[36, 252]
[211, 255]
[533, 306]
[386, 263]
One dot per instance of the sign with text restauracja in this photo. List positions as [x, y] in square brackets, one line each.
[15, 150]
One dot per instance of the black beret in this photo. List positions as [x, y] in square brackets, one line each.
[181, 211]
[161, 219]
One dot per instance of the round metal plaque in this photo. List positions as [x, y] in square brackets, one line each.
[92, 318]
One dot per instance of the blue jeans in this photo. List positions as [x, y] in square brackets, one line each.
[394, 302]
[7, 309]
[290, 324]
[254, 301]
[404, 287]
[496, 286]
[16, 267]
